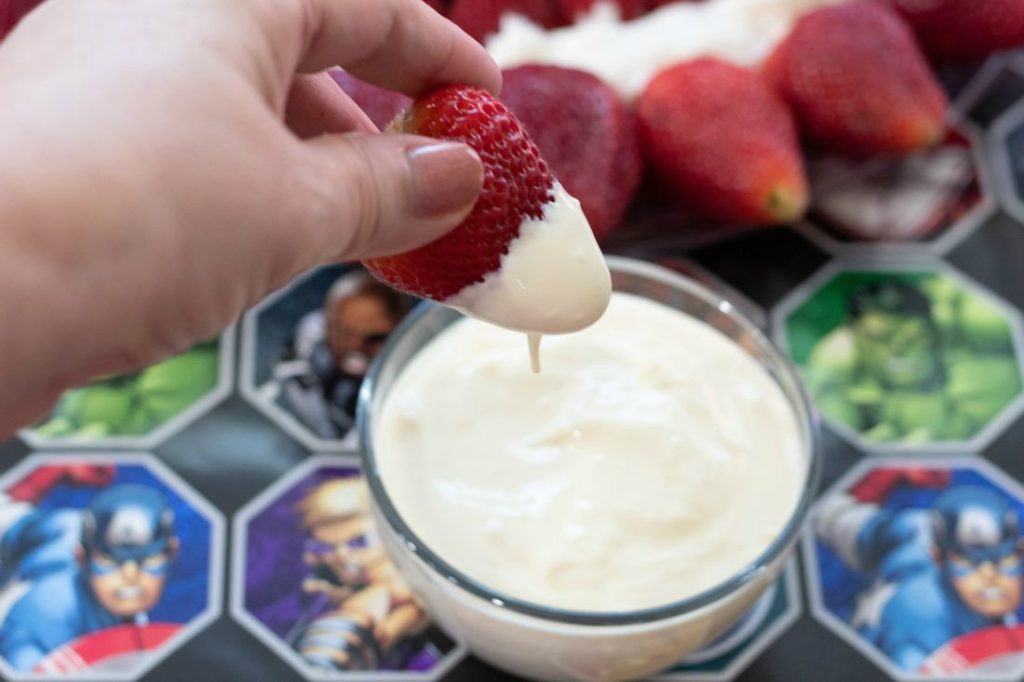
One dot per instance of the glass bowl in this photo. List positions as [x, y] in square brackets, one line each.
[546, 643]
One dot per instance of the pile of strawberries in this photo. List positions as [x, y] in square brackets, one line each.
[479, 18]
[728, 143]
[853, 79]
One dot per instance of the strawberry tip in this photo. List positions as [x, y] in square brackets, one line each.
[930, 132]
[786, 203]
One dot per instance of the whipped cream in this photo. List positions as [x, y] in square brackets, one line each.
[628, 54]
[553, 280]
[651, 460]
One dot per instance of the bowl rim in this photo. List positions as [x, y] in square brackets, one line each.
[803, 407]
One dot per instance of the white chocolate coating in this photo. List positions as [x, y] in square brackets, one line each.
[553, 280]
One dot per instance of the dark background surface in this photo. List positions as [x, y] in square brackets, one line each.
[232, 454]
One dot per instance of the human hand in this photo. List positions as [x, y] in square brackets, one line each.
[150, 189]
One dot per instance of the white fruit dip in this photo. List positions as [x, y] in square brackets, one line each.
[628, 54]
[553, 280]
[651, 460]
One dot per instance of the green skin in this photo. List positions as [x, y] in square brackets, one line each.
[135, 404]
[895, 378]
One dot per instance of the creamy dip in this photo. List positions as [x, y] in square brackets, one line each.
[652, 459]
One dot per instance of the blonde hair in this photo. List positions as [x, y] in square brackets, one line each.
[335, 499]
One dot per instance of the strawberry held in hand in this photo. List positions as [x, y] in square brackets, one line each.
[723, 139]
[525, 257]
[858, 82]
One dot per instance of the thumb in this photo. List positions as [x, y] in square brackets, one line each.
[382, 194]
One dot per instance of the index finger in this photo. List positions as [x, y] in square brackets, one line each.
[401, 45]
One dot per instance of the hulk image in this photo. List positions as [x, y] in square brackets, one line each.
[915, 359]
[134, 404]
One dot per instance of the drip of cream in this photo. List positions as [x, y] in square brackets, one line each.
[553, 280]
[534, 342]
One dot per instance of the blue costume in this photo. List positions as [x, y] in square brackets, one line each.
[912, 608]
[124, 523]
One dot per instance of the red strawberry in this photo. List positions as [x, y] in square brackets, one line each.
[724, 140]
[628, 9]
[858, 82]
[382, 106]
[584, 132]
[437, 5]
[517, 184]
[480, 18]
[965, 29]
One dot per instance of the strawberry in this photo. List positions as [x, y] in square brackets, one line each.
[965, 29]
[382, 106]
[437, 5]
[724, 140]
[480, 18]
[585, 133]
[858, 82]
[574, 9]
[517, 185]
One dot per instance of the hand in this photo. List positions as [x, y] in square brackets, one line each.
[150, 189]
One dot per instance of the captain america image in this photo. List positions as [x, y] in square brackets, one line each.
[81, 587]
[927, 566]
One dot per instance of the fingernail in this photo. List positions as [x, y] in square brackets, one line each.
[447, 177]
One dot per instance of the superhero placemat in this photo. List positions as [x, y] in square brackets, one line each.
[1008, 140]
[920, 565]
[107, 566]
[912, 348]
[723, 659]
[139, 409]
[306, 350]
[313, 581]
[914, 199]
[905, 355]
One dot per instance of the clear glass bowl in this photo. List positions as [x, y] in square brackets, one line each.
[548, 643]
